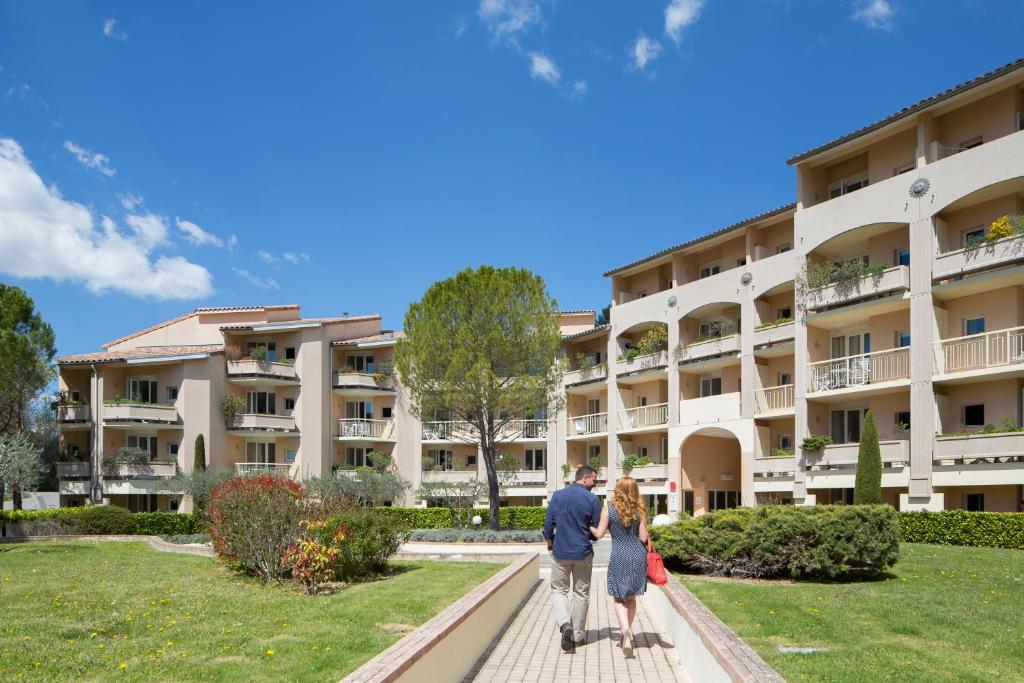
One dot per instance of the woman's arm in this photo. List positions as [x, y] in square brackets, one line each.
[644, 536]
[602, 526]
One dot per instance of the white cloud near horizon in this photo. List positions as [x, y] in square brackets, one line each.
[90, 159]
[544, 68]
[643, 50]
[875, 14]
[195, 235]
[45, 236]
[255, 280]
[679, 14]
[506, 20]
[110, 30]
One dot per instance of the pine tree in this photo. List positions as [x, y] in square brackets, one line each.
[199, 460]
[867, 489]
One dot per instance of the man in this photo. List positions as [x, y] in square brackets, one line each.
[571, 513]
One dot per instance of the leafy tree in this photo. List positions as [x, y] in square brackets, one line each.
[605, 316]
[457, 496]
[199, 458]
[867, 488]
[198, 485]
[483, 347]
[21, 466]
[362, 488]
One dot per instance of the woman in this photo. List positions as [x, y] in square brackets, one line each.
[627, 566]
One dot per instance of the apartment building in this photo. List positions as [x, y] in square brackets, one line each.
[892, 284]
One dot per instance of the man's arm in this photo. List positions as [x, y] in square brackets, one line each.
[549, 523]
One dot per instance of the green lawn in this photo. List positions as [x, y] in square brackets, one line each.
[945, 613]
[96, 611]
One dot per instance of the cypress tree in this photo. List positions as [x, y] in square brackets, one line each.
[199, 461]
[867, 488]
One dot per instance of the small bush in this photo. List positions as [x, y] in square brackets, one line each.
[475, 536]
[314, 555]
[514, 517]
[369, 541]
[188, 538]
[417, 518]
[775, 541]
[164, 523]
[46, 527]
[101, 519]
[253, 522]
[960, 527]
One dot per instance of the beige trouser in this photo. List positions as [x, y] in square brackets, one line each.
[580, 571]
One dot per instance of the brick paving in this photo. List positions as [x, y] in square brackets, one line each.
[529, 650]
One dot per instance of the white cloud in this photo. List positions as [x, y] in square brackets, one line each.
[266, 257]
[679, 14]
[579, 88]
[875, 14]
[232, 242]
[542, 67]
[110, 30]
[90, 159]
[257, 281]
[193, 234]
[292, 257]
[130, 201]
[43, 235]
[508, 19]
[643, 50]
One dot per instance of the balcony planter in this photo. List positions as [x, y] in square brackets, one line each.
[889, 281]
[590, 374]
[775, 466]
[249, 367]
[258, 422]
[650, 361]
[895, 453]
[951, 449]
[361, 380]
[139, 412]
[647, 473]
[775, 334]
[708, 349]
[982, 257]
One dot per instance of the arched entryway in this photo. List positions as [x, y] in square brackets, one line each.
[711, 477]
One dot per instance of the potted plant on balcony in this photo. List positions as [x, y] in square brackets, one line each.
[815, 443]
[654, 340]
[232, 352]
[231, 407]
[259, 354]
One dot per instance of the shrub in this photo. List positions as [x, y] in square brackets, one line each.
[101, 519]
[815, 442]
[867, 487]
[188, 538]
[999, 229]
[253, 522]
[368, 541]
[960, 527]
[417, 518]
[775, 541]
[476, 536]
[164, 523]
[312, 559]
[231, 407]
[199, 458]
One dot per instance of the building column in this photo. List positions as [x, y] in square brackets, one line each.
[748, 383]
[96, 414]
[800, 424]
[922, 337]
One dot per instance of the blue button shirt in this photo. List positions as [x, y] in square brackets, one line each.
[571, 513]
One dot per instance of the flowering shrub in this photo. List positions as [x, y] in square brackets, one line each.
[254, 520]
[312, 561]
[999, 229]
[369, 540]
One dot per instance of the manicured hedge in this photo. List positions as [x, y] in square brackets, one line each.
[959, 527]
[477, 536]
[107, 519]
[164, 524]
[441, 518]
[785, 540]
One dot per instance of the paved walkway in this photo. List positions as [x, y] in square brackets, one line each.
[529, 650]
[492, 551]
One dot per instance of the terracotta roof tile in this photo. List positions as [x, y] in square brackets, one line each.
[140, 352]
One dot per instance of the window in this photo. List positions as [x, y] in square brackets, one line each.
[848, 184]
[471, 460]
[740, 262]
[146, 443]
[641, 401]
[641, 451]
[442, 458]
[593, 450]
[260, 403]
[905, 168]
[785, 312]
[785, 378]
[593, 406]
[261, 452]
[172, 394]
[972, 143]
[722, 500]
[289, 455]
[142, 390]
[903, 418]
[972, 235]
[974, 502]
[902, 339]
[172, 451]
[271, 348]
[974, 415]
[356, 456]
[1020, 120]
[74, 396]
[535, 459]
[385, 413]
[783, 248]
[289, 404]
[709, 269]
[664, 451]
[974, 326]
[710, 386]
[361, 363]
[846, 424]
[593, 357]
[786, 442]
[901, 257]
[361, 410]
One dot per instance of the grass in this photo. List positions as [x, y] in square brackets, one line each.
[944, 613]
[99, 611]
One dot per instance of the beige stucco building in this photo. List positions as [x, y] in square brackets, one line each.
[923, 325]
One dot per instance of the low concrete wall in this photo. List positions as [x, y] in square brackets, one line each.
[155, 542]
[710, 650]
[448, 646]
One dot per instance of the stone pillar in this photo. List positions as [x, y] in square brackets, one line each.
[801, 429]
[922, 399]
[96, 414]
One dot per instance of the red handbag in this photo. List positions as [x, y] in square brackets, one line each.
[655, 567]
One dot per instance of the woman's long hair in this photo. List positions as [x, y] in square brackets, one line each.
[627, 501]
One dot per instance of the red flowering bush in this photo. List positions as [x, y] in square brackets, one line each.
[312, 559]
[254, 520]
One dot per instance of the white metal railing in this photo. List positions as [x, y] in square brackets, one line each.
[859, 370]
[526, 429]
[250, 468]
[595, 423]
[979, 351]
[363, 428]
[770, 399]
[447, 430]
[643, 416]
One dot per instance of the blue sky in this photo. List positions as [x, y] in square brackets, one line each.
[344, 155]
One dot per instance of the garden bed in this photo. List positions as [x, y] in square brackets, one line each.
[92, 611]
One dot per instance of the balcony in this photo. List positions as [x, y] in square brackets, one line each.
[154, 469]
[773, 400]
[261, 422]
[74, 470]
[650, 361]
[145, 413]
[988, 353]
[643, 417]
[774, 334]
[585, 425]
[853, 373]
[986, 256]
[361, 382]
[525, 430]
[844, 455]
[248, 370]
[532, 478]
[895, 280]
[451, 476]
[709, 409]
[974, 449]
[648, 473]
[595, 373]
[452, 430]
[72, 413]
[253, 469]
[775, 466]
[708, 348]
[358, 429]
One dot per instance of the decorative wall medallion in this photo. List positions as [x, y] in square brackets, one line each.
[672, 301]
[919, 188]
[746, 279]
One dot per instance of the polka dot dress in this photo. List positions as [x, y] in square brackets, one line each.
[627, 566]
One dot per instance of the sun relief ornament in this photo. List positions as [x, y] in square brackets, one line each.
[746, 279]
[919, 188]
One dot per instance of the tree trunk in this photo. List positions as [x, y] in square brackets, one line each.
[493, 494]
[16, 496]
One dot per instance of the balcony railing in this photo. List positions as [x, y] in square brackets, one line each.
[889, 281]
[261, 422]
[982, 257]
[860, 370]
[365, 429]
[529, 478]
[159, 468]
[643, 416]
[970, 449]
[450, 475]
[73, 470]
[844, 455]
[775, 334]
[775, 466]
[595, 423]
[359, 380]
[708, 348]
[648, 473]
[773, 399]
[591, 374]
[709, 409]
[980, 351]
[68, 413]
[648, 361]
[247, 469]
[139, 412]
[260, 368]
[450, 430]
[525, 429]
